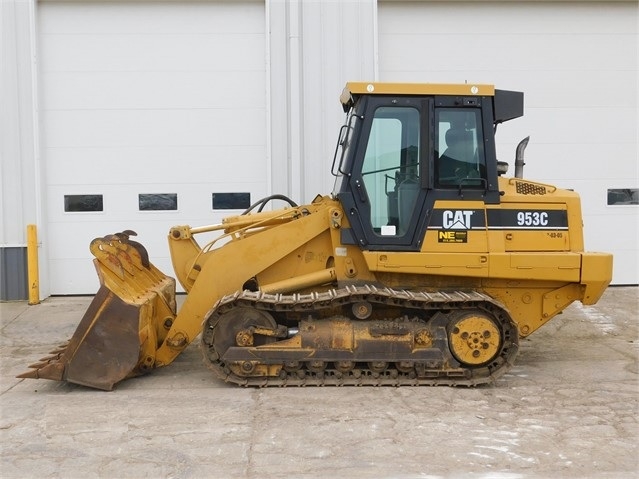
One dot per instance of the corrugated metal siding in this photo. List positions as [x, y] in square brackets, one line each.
[13, 274]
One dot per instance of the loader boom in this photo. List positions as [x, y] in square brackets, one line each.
[210, 274]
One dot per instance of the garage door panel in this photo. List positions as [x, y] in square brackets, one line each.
[594, 203]
[461, 52]
[148, 90]
[109, 128]
[579, 124]
[566, 162]
[122, 202]
[173, 18]
[72, 267]
[138, 165]
[88, 52]
[601, 88]
[507, 18]
[84, 279]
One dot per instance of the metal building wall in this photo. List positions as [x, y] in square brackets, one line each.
[19, 163]
[314, 49]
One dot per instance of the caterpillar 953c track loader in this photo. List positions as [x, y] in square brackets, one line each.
[424, 267]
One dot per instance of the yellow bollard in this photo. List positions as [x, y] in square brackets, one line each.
[33, 273]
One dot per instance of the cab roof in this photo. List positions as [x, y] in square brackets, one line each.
[507, 104]
[376, 88]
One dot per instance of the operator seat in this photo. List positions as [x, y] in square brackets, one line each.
[458, 156]
[407, 193]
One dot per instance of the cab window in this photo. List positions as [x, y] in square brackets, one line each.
[459, 152]
[390, 170]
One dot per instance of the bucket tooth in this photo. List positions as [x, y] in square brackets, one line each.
[32, 374]
[51, 357]
[52, 370]
[39, 364]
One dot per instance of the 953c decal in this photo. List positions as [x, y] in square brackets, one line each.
[527, 219]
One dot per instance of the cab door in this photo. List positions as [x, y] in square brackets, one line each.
[387, 186]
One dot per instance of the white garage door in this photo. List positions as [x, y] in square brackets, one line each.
[576, 63]
[149, 111]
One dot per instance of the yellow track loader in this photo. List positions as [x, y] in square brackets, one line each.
[425, 266]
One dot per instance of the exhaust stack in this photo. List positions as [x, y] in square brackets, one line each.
[519, 157]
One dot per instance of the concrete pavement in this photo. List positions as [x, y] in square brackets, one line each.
[569, 408]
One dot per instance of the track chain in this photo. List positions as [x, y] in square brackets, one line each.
[363, 376]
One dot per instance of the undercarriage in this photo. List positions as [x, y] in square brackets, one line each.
[359, 335]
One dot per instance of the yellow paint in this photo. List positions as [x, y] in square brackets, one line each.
[474, 339]
[33, 272]
[377, 88]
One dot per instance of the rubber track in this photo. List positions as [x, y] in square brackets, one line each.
[449, 300]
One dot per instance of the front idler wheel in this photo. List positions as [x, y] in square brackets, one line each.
[474, 338]
[236, 327]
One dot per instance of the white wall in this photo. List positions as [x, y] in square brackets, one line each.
[20, 175]
[17, 135]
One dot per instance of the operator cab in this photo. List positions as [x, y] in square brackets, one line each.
[404, 146]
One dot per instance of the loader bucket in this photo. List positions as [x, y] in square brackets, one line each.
[124, 324]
